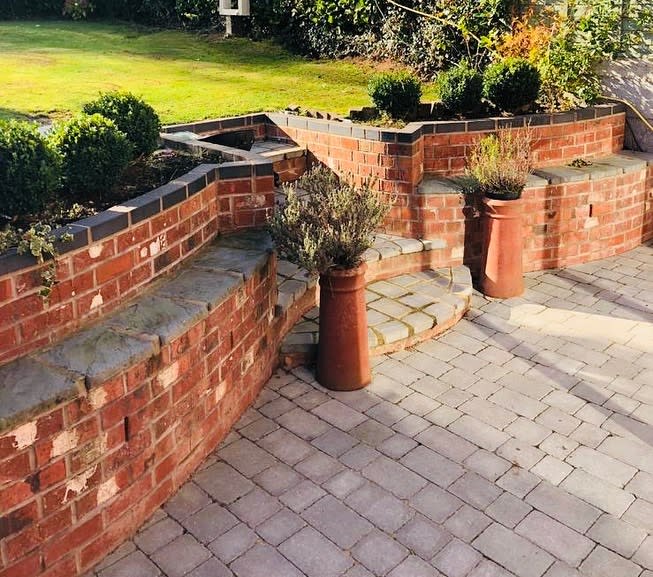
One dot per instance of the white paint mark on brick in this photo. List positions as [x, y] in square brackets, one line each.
[158, 245]
[78, 484]
[64, 442]
[25, 435]
[220, 391]
[97, 398]
[169, 375]
[95, 251]
[107, 490]
[144, 252]
[97, 301]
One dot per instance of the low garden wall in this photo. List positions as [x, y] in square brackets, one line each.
[115, 254]
[88, 453]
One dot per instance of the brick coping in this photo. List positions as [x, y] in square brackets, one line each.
[407, 135]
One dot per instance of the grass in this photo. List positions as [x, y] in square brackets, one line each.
[52, 68]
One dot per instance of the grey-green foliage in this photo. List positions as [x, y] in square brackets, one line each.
[330, 225]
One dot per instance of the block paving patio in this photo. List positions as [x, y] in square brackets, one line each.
[519, 443]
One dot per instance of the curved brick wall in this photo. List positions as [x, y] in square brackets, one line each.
[87, 453]
[118, 252]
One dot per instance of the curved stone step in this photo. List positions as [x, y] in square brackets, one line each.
[293, 282]
[401, 312]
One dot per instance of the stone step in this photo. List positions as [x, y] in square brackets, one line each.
[279, 154]
[401, 311]
[293, 282]
[603, 167]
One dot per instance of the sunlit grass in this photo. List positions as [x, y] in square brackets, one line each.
[52, 68]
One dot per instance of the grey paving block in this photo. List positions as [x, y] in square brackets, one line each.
[446, 443]
[561, 505]
[315, 555]
[602, 466]
[209, 523]
[343, 483]
[223, 483]
[379, 552]
[394, 477]
[181, 556]
[189, 499]
[478, 432]
[319, 467]
[339, 415]
[158, 535]
[303, 424]
[255, 507]
[597, 492]
[508, 510]
[432, 466]
[467, 523]
[246, 457]
[413, 566]
[616, 535]
[280, 527]
[135, 563]
[264, 561]
[211, 568]
[487, 464]
[336, 521]
[558, 539]
[604, 563]
[233, 543]
[379, 507]
[302, 495]
[512, 551]
[475, 490]
[436, 504]
[457, 559]
[423, 537]
[286, 446]
[278, 479]
[644, 555]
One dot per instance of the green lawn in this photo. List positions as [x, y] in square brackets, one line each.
[52, 68]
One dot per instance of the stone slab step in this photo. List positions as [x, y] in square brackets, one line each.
[284, 153]
[401, 311]
[132, 334]
[603, 167]
[293, 282]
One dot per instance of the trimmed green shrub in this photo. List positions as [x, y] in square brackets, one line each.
[94, 153]
[132, 115]
[29, 169]
[461, 88]
[395, 93]
[511, 84]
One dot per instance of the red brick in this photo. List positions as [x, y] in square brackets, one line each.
[81, 534]
[28, 567]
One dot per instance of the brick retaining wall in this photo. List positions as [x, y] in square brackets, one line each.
[118, 252]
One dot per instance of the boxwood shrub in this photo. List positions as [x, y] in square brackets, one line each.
[511, 84]
[396, 94]
[461, 88]
[132, 115]
[29, 169]
[94, 155]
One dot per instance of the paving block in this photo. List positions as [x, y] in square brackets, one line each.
[558, 539]
[181, 556]
[512, 551]
[233, 543]
[282, 525]
[315, 555]
[379, 552]
[456, 559]
[423, 537]
[616, 535]
[604, 563]
[336, 521]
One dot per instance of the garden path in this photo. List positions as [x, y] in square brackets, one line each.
[517, 444]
